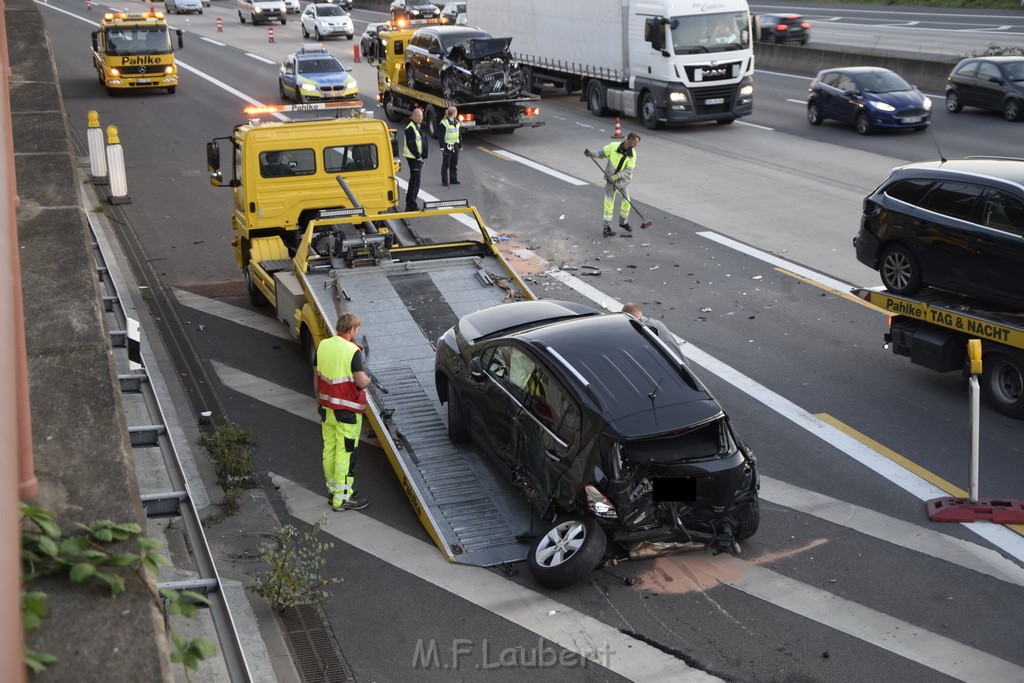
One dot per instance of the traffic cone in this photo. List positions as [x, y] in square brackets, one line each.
[355, 52]
[618, 129]
[270, 34]
[220, 25]
[88, 4]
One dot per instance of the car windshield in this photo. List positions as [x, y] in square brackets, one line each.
[1015, 71]
[329, 11]
[882, 82]
[138, 41]
[323, 65]
[711, 33]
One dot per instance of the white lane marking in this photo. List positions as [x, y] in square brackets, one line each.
[789, 99]
[903, 534]
[300, 405]
[259, 58]
[504, 154]
[235, 314]
[778, 262]
[211, 40]
[907, 640]
[526, 608]
[998, 535]
[468, 221]
[753, 125]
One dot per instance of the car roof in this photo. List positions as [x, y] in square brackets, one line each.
[1002, 59]
[449, 31]
[1006, 169]
[855, 70]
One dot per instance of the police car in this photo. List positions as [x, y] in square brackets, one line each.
[313, 73]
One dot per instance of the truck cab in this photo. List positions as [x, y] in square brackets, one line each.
[134, 50]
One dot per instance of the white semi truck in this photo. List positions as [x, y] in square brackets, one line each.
[663, 61]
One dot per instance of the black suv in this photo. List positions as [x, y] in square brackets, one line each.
[995, 83]
[784, 28]
[462, 63]
[956, 225]
[603, 428]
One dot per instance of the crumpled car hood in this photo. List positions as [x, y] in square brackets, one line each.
[481, 48]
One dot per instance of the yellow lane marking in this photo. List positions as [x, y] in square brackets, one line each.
[837, 292]
[903, 462]
[493, 153]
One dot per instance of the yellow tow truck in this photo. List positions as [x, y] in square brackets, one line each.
[317, 235]
[133, 50]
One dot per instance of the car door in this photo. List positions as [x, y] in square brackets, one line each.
[999, 244]
[309, 19]
[829, 94]
[434, 61]
[547, 432]
[493, 411]
[989, 86]
[965, 79]
[846, 99]
[289, 82]
[947, 235]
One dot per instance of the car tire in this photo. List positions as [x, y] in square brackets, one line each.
[241, 18]
[256, 297]
[899, 271]
[725, 121]
[305, 33]
[649, 112]
[953, 103]
[280, 90]
[1012, 110]
[1002, 383]
[863, 124]
[457, 430]
[350, 36]
[299, 97]
[814, 115]
[748, 518]
[597, 99]
[316, 32]
[171, 89]
[567, 552]
[284, 20]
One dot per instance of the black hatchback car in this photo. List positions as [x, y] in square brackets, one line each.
[956, 225]
[995, 83]
[604, 429]
[784, 28]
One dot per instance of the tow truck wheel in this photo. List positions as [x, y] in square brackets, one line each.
[255, 295]
[306, 343]
[899, 270]
[1002, 384]
[389, 109]
[457, 430]
[748, 518]
[567, 552]
[430, 121]
[171, 89]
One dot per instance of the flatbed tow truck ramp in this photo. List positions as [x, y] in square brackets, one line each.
[406, 300]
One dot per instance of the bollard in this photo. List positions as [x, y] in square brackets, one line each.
[270, 34]
[115, 164]
[220, 25]
[97, 152]
[88, 4]
[355, 52]
[618, 129]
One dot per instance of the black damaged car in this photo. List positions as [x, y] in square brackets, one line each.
[615, 442]
[462, 64]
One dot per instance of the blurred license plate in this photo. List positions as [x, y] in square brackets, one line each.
[715, 100]
[142, 80]
[679, 490]
[912, 119]
[467, 124]
[332, 94]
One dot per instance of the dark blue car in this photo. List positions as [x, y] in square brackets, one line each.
[869, 97]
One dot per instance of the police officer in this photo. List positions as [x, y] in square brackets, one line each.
[415, 153]
[340, 380]
[451, 145]
[618, 174]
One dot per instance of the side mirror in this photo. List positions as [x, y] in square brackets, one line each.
[654, 32]
[95, 41]
[434, 50]
[213, 163]
[181, 39]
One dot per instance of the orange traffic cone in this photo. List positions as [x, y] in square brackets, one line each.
[270, 34]
[618, 129]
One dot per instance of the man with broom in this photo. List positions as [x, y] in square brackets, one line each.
[618, 173]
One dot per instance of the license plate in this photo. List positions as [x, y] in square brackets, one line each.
[332, 94]
[468, 124]
[912, 119]
[715, 100]
[680, 490]
[143, 80]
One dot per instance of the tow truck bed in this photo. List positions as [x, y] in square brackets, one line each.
[471, 511]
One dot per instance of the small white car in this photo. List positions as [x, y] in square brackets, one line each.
[322, 20]
[183, 6]
[292, 6]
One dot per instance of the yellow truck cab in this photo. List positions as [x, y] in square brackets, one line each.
[287, 173]
[133, 50]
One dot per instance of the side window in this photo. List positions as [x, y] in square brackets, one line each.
[954, 199]
[910, 191]
[551, 405]
[846, 84]
[510, 367]
[831, 79]
[968, 70]
[350, 158]
[1003, 211]
[287, 162]
[987, 71]
[419, 40]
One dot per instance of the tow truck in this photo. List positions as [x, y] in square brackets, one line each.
[932, 330]
[398, 100]
[324, 238]
[133, 50]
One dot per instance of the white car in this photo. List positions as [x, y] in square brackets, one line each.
[183, 6]
[292, 6]
[322, 20]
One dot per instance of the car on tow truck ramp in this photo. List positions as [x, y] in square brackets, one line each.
[313, 73]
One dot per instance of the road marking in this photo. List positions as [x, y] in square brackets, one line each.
[526, 608]
[753, 125]
[504, 154]
[846, 295]
[235, 314]
[259, 58]
[211, 40]
[283, 398]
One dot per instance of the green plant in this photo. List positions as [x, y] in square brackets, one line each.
[231, 448]
[994, 50]
[83, 557]
[295, 560]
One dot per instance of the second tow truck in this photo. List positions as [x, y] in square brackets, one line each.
[133, 50]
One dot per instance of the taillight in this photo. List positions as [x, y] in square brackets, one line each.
[598, 503]
[805, 24]
[782, 27]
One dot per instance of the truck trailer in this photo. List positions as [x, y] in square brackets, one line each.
[660, 61]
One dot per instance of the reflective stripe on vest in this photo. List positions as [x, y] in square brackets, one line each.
[335, 386]
[419, 143]
[451, 132]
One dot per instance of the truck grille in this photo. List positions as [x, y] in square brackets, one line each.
[148, 70]
[704, 99]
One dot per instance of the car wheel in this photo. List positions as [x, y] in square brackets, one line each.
[255, 295]
[953, 104]
[280, 90]
[299, 96]
[457, 430]
[725, 121]
[284, 20]
[649, 112]
[1012, 110]
[350, 36]
[814, 114]
[1003, 384]
[305, 33]
[567, 552]
[596, 98]
[863, 124]
[390, 112]
[241, 18]
[316, 32]
[748, 518]
[899, 270]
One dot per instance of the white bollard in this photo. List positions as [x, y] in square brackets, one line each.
[115, 164]
[97, 151]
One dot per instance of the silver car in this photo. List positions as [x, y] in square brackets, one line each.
[183, 6]
[322, 20]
